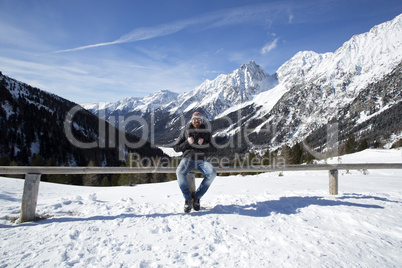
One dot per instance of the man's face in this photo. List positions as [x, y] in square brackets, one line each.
[196, 121]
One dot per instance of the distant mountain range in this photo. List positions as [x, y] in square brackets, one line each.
[357, 88]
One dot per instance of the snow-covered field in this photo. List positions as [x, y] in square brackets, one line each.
[248, 221]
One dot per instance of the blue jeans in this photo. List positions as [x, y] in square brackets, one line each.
[186, 166]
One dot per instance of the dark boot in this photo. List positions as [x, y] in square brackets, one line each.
[196, 203]
[187, 206]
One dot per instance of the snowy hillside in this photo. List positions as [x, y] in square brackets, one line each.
[264, 220]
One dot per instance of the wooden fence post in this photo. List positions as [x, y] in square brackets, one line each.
[191, 181]
[29, 197]
[333, 182]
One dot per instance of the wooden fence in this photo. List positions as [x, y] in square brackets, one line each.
[33, 174]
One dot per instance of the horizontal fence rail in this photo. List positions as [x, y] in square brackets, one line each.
[33, 174]
[233, 169]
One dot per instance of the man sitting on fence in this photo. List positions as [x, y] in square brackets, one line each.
[195, 142]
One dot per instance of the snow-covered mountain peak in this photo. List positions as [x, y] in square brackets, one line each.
[381, 46]
[254, 70]
[371, 54]
[251, 69]
[161, 97]
[226, 91]
[299, 65]
[247, 74]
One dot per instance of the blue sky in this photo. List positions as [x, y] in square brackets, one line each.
[91, 51]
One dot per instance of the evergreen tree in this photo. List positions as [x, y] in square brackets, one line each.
[350, 146]
[363, 145]
[266, 158]
[4, 161]
[160, 177]
[57, 178]
[51, 162]
[105, 181]
[250, 159]
[38, 161]
[174, 163]
[90, 179]
[309, 157]
[397, 144]
[285, 153]
[131, 178]
[296, 156]
[376, 144]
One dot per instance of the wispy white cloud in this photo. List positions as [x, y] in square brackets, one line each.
[145, 33]
[138, 34]
[269, 46]
[291, 17]
[85, 47]
[253, 13]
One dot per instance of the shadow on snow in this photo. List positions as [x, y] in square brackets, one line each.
[285, 205]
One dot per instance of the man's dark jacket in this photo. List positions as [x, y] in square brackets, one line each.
[195, 151]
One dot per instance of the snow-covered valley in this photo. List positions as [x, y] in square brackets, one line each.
[262, 220]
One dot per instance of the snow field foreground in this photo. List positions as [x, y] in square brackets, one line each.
[263, 220]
